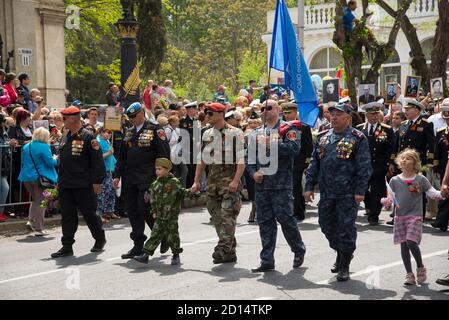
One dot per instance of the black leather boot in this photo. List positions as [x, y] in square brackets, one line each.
[252, 214]
[135, 251]
[336, 265]
[343, 272]
[98, 246]
[143, 258]
[65, 251]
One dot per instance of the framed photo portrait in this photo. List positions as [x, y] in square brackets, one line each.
[436, 88]
[412, 85]
[331, 90]
[391, 89]
[366, 93]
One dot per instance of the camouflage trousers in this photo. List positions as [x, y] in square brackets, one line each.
[224, 210]
[272, 206]
[336, 217]
[167, 230]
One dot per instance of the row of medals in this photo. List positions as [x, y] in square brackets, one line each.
[145, 138]
[77, 147]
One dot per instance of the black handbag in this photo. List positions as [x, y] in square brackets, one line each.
[42, 182]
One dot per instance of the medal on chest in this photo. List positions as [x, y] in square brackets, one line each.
[344, 148]
[145, 138]
[380, 136]
[77, 147]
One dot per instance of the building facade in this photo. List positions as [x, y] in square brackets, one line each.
[33, 34]
[323, 57]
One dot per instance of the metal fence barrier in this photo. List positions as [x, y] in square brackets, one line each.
[10, 154]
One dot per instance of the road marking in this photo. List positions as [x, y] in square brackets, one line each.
[31, 275]
[382, 267]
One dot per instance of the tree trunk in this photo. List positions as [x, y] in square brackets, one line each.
[440, 51]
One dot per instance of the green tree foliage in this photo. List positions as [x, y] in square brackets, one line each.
[151, 37]
[92, 50]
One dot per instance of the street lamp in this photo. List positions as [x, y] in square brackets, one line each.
[129, 70]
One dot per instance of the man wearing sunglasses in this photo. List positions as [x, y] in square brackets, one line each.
[274, 198]
[223, 151]
[81, 173]
[142, 145]
[341, 165]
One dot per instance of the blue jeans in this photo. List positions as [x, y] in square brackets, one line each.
[4, 190]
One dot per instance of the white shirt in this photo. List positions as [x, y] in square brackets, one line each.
[372, 125]
[438, 122]
[139, 127]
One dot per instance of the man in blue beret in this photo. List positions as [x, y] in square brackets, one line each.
[341, 165]
[142, 145]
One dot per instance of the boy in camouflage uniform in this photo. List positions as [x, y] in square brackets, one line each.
[166, 195]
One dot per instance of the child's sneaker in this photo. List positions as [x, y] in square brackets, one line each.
[410, 279]
[421, 274]
[175, 260]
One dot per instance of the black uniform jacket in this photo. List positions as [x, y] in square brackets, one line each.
[81, 161]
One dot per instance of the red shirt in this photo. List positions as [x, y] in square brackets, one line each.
[147, 98]
[11, 91]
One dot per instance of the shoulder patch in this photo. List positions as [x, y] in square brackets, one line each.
[385, 125]
[95, 145]
[161, 134]
[292, 135]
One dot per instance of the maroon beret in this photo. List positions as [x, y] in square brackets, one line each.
[216, 107]
[70, 111]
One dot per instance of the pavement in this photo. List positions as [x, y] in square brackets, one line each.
[377, 273]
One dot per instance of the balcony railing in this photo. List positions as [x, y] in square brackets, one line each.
[322, 16]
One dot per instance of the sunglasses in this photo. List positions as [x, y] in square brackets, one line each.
[268, 108]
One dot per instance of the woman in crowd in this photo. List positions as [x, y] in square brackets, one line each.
[23, 133]
[106, 199]
[37, 161]
[10, 86]
[5, 153]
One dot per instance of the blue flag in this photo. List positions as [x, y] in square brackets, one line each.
[286, 56]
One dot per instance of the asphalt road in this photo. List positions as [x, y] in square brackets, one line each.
[27, 272]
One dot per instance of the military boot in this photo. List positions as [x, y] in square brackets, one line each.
[143, 258]
[65, 251]
[252, 214]
[135, 251]
[336, 265]
[343, 272]
[175, 260]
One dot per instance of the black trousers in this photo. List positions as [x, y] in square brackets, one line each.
[138, 212]
[86, 201]
[250, 187]
[191, 168]
[376, 191]
[442, 218]
[299, 203]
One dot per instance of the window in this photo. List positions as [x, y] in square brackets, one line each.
[325, 62]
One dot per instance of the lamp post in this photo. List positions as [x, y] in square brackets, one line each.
[129, 70]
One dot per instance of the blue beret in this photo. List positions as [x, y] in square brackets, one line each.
[133, 109]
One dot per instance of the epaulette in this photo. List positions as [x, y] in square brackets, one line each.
[360, 125]
[441, 129]
[385, 125]
[404, 122]
[357, 133]
[425, 120]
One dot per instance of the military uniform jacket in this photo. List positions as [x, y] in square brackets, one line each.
[222, 156]
[288, 147]
[81, 161]
[304, 155]
[441, 151]
[166, 197]
[381, 145]
[341, 163]
[188, 124]
[138, 153]
[418, 136]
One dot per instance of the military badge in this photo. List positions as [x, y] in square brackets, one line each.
[381, 136]
[77, 147]
[168, 188]
[145, 138]
[344, 148]
[291, 135]
[161, 134]
[95, 145]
